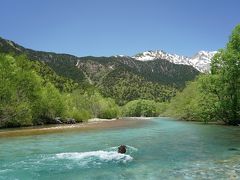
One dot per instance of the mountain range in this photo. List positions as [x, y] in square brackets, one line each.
[123, 77]
[201, 61]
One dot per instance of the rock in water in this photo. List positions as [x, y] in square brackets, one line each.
[122, 149]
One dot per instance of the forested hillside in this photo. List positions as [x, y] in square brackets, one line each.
[126, 86]
[156, 80]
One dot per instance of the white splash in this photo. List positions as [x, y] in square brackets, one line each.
[102, 156]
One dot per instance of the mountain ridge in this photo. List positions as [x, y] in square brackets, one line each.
[114, 75]
[201, 60]
[67, 65]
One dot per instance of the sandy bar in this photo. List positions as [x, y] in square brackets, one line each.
[94, 124]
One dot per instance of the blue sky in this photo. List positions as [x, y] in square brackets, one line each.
[110, 27]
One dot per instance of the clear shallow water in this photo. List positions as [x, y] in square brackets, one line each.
[161, 149]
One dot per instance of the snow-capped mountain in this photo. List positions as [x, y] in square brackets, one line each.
[201, 61]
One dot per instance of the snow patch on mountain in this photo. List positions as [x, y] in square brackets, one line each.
[121, 56]
[201, 61]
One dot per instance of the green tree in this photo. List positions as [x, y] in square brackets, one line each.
[226, 79]
[140, 107]
[78, 106]
[193, 103]
[52, 104]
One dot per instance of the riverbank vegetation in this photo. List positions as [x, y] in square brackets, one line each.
[138, 108]
[214, 96]
[30, 96]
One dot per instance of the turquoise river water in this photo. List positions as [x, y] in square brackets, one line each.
[158, 149]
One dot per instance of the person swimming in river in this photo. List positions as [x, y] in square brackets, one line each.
[122, 149]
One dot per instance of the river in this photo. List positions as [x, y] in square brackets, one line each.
[160, 148]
